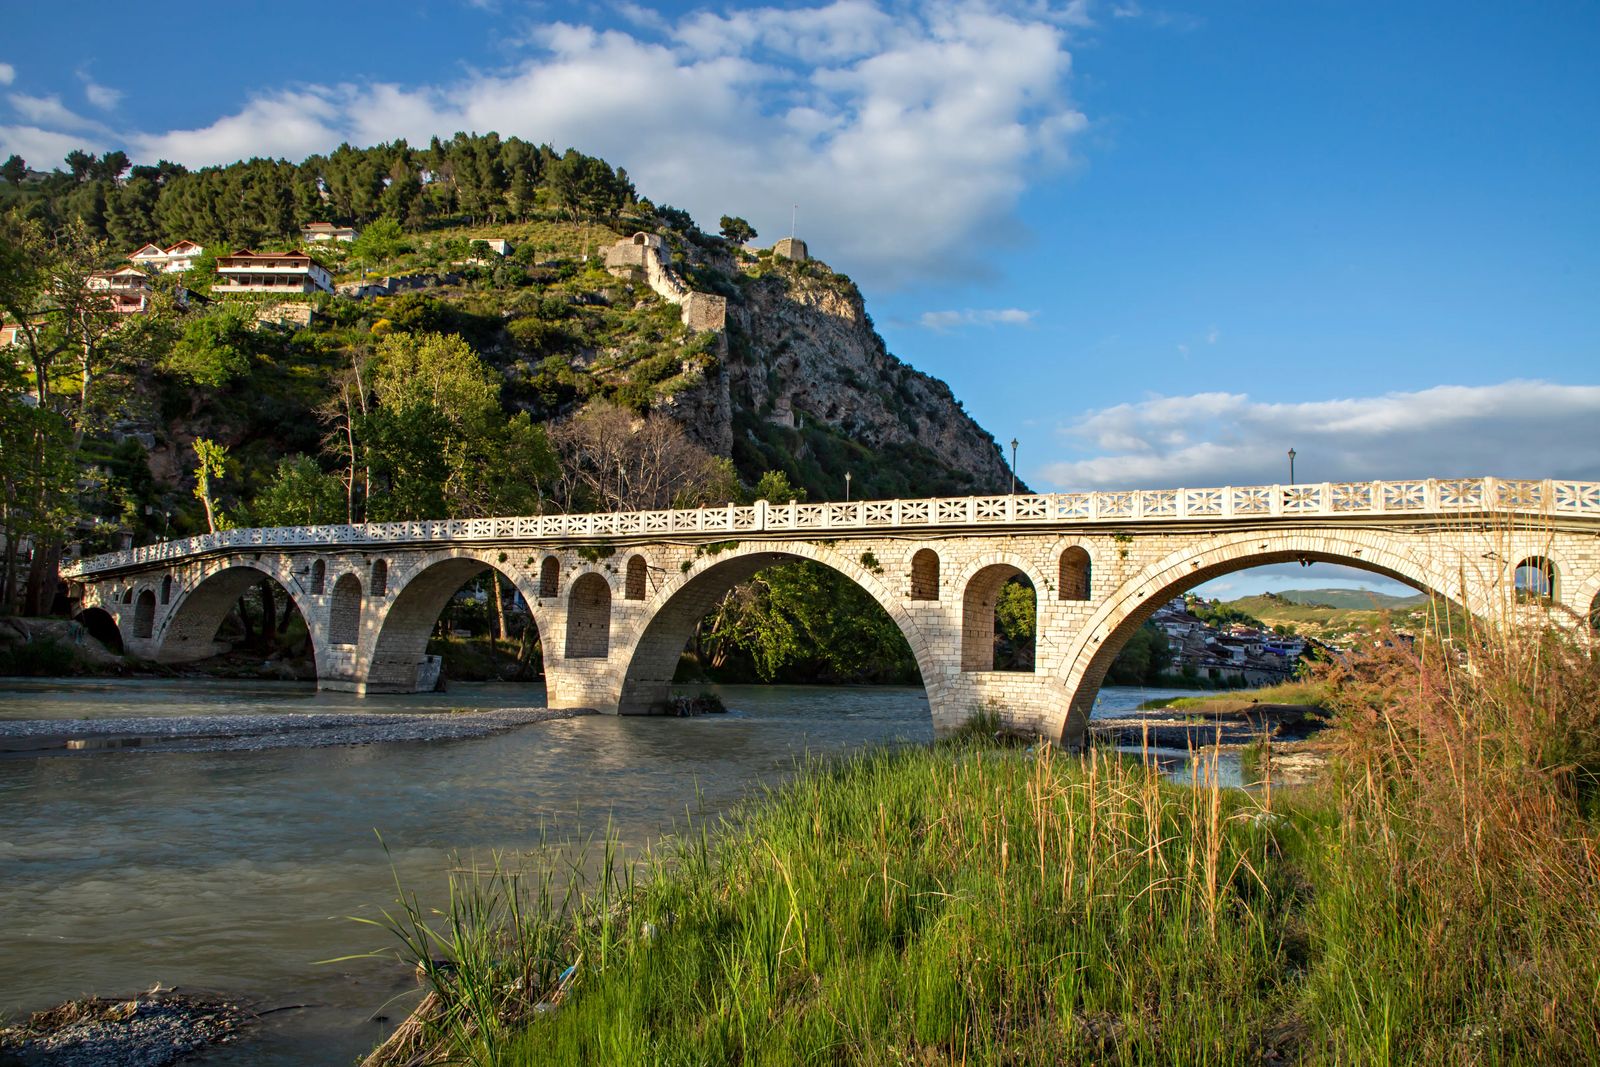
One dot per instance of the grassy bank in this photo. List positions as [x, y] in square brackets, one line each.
[1312, 692]
[1433, 901]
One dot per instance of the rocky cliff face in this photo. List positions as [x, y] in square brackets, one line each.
[804, 370]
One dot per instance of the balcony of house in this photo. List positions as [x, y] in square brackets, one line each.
[264, 281]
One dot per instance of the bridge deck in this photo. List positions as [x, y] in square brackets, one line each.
[1459, 498]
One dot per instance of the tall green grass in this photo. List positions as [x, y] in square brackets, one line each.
[1437, 900]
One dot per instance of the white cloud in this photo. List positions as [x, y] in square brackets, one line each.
[101, 96]
[292, 124]
[1516, 429]
[893, 127]
[8, 74]
[49, 111]
[949, 320]
[43, 148]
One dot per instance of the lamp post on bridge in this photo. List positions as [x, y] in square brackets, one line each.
[1013, 466]
[847, 487]
[1291, 466]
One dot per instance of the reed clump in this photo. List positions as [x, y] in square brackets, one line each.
[1460, 901]
[1433, 901]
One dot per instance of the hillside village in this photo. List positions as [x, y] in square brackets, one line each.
[1226, 654]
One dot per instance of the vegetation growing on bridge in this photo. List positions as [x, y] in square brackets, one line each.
[1431, 902]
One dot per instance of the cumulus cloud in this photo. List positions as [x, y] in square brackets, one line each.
[292, 124]
[893, 127]
[43, 148]
[8, 74]
[1514, 429]
[101, 96]
[49, 112]
[949, 320]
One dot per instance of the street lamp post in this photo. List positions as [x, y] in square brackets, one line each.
[847, 487]
[1013, 466]
[1291, 466]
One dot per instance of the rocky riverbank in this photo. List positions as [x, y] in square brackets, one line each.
[249, 733]
[1228, 723]
[153, 1029]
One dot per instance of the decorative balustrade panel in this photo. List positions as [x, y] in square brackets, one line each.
[1298, 502]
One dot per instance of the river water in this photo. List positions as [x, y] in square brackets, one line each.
[236, 872]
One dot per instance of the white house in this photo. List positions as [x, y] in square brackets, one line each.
[271, 272]
[170, 260]
[127, 289]
[327, 231]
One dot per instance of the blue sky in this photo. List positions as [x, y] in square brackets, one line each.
[1159, 245]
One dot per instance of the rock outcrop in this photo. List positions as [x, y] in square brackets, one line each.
[811, 354]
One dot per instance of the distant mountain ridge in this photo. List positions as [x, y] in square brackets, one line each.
[1355, 599]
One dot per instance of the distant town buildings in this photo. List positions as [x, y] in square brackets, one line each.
[1236, 653]
[271, 272]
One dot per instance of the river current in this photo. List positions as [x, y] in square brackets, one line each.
[236, 872]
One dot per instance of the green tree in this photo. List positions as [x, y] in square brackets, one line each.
[736, 230]
[1015, 612]
[211, 468]
[775, 488]
[300, 494]
[381, 241]
[213, 348]
[14, 169]
[407, 449]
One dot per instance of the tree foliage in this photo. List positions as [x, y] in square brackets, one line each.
[736, 230]
[300, 494]
[481, 177]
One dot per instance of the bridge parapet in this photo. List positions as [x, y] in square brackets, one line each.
[1410, 499]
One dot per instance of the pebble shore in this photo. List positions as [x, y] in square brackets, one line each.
[253, 733]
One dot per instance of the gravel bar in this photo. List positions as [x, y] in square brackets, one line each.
[254, 733]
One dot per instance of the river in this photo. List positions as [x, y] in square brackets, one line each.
[236, 872]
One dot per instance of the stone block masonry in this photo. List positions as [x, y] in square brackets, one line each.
[647, 253]
[617, 596]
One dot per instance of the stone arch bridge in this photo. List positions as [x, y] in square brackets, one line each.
[615, 596]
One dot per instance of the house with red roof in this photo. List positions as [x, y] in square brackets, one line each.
[169, 260]
[271, 272]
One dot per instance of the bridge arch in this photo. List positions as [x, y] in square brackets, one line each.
[102, 626]
[668, 620]
[187, 628]
[1135, 599]
[424, 586]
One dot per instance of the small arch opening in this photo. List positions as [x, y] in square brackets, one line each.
[344, 614]
[319, 578]
[589, 618]
[166, 589]
[637, 573]
[1535, 581]
[550, 577]
[925, 575]
[639, 239]
[1073, 583]
[1594, 614]
[101, 626]
[144, 614]
[127, 595]
[378, 585]
[999, 616]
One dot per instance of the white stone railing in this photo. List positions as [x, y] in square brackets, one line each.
[1252, 503]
